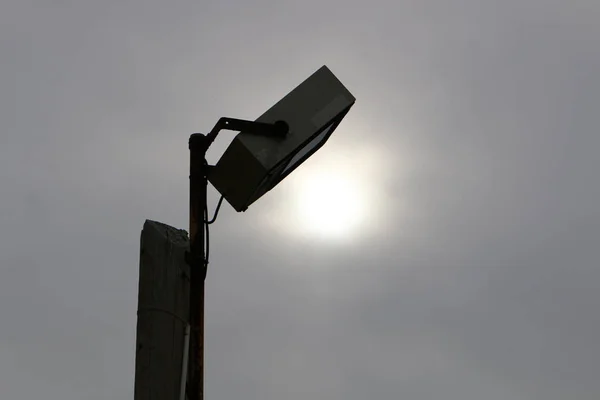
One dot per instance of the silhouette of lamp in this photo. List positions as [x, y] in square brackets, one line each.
[254, 164]
[259, 157]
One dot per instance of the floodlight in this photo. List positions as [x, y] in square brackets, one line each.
[260, 156]
[255, 163]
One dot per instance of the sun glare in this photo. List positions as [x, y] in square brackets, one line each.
[329, 204]
[335, 197]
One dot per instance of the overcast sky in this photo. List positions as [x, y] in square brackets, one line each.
[474, 140]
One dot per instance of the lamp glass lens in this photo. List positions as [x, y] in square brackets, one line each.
[307, 149]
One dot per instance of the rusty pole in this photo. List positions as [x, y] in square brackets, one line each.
[198, 145]
[199, 168]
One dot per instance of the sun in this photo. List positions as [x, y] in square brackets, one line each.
[328, 204]
[335, 197]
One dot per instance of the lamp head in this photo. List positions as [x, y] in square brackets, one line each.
[254, 164]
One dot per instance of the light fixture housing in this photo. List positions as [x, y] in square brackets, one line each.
[254, 164]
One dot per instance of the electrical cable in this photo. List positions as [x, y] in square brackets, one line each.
[216, 212]
[206, 239]
[206, 223]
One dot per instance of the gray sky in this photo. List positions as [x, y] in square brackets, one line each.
[475, 137]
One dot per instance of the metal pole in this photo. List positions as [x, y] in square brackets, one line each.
[198, 145]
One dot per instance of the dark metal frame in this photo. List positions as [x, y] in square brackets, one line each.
[196, 257]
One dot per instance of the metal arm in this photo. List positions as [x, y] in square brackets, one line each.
[277, 129]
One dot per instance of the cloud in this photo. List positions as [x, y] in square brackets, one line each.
[484, 284]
